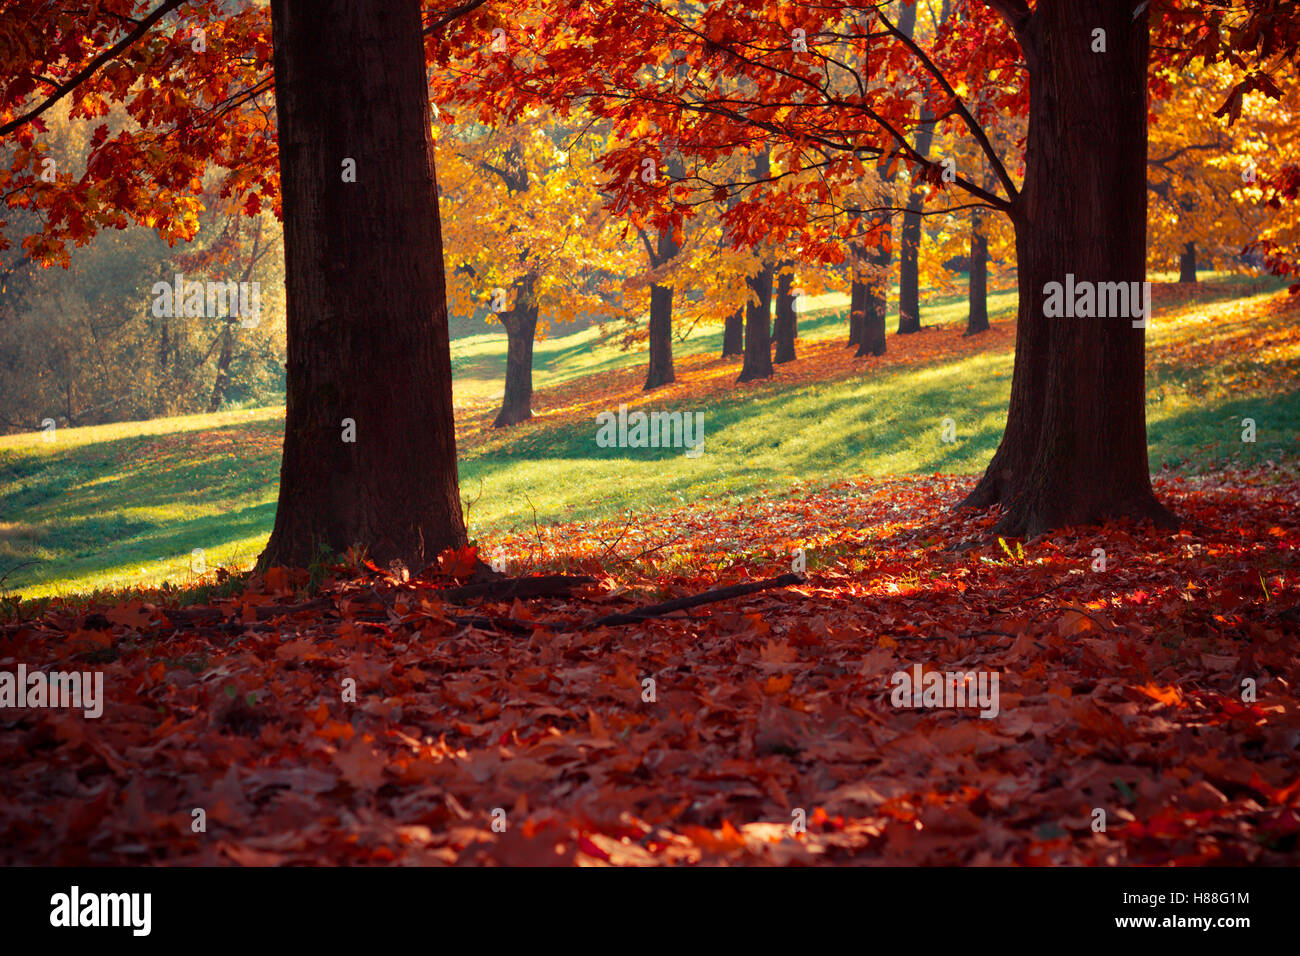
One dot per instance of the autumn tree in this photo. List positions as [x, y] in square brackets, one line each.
[1074, 448]
[370, 444]
[108, 131]
[528, 237]
[909, 251]
[1204, 176]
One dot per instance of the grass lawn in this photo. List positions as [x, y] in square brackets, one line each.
[127, 504]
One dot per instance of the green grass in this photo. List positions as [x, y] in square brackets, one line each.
[480, 360]
[121, 505]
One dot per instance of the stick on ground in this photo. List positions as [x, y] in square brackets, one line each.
[695, 600]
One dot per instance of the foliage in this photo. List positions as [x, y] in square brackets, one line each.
[757, 709]
[1226, 351]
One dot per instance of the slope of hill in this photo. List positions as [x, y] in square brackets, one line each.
[131, 503]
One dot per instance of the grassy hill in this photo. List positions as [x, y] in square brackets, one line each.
[126, 504]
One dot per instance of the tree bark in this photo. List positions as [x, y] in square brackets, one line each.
[733, 334]
[520, 324]
[366, 303]
[787, 323]
[1074, 450]
[758, 329]
[875, 297]
[977, 320]
[909, 252]
[660, 371]
[857, 301]
[1187, 263]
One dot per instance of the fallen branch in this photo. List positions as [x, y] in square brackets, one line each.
[550, 585]
[500, 623]
[695, 600]
[264, 611]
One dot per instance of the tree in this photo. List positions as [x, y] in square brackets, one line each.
[370, 445]
[668, 243]
[659, 370]
[527, 237]
[909, 252]
[758, 330]
[1074, 448]
[785, 327]
[1203, 175]
[873, 277]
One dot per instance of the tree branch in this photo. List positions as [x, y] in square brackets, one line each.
[975, 128]
[454, 13]
[1016, 13]
[93, 66]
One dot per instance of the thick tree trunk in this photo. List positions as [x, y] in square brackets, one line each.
[909, 268]
[1187, 263]
[875, 299]
[857, 305]
[977, 320]
[660, 371]
[786, 327]
[733, 334]
[366, 304]
[758, 329]
[1074, 450]
[520, 324]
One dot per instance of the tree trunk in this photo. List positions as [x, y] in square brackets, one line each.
[660, 371]
[875, 298]
[1074, 449]
[224, 357]
[977, 320]
[1187, 263]
[733, 334]
[520, 324]
[758, 317]
[909, 268]
[909, 252]
[758, 338]
[366, 303]
[857, 302]
[787, 327]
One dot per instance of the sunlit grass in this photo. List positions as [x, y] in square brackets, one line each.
[123, 505]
